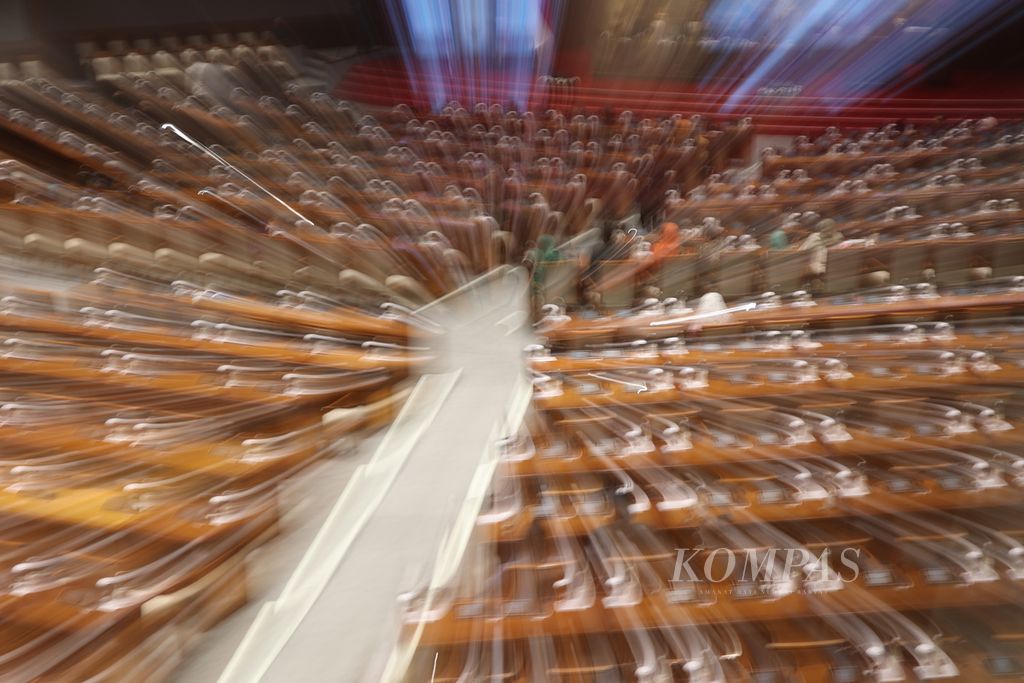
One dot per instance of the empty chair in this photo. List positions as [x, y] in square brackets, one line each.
[784, 269]
[736, 273]
[677, 276]
[36, 68]
[910, 262]
[218, 55]
[107, 68]
[173, 259]
[167, 66]
[617, 283]
[272, 53]
[408, 289]
[843, 273]
[244, 53]
[560, 283]
[1008, 259]
[9, 72]
[954, 262]
[86, 251]
[45, 246]
[364, 286]
[279, 60]
[133, 257]
[134, 63]
[190, 56]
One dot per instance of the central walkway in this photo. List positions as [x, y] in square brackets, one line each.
[338, 618]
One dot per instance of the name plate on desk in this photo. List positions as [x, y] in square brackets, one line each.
[517, 607]
[938, 575]
[681, 592]
[723, 439]
[721, 499]
[472, 610]
[901, 485]
[953, 483]
[878, 577]
[555, 450]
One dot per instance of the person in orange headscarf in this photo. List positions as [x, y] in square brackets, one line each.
[668, 243]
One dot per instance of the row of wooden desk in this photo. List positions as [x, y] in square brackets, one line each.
[661, 457]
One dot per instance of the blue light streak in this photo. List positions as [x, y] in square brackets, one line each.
[471, 50]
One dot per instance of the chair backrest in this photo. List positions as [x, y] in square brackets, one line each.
[617, 283]
[735, 273]
[162, 59]
[270, 53]
[784, 269]
[218, 55]
[240, 52]
[1008, 259]
[678, 275]
[36, 68]
[107, 66]
[136, 63]
[953, 262]
[843, 271]
[190, 56]
[560, 282]
[907, 262]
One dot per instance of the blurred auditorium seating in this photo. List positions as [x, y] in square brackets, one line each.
[949, 214]
[819, 428]
[192, 315]
[169, 359]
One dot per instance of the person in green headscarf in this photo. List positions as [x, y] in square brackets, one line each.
[538, 258]
[778, 239]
